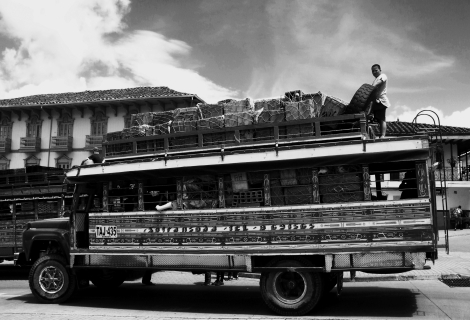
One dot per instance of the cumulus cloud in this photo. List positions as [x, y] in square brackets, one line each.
[85, 45]
[330, 46]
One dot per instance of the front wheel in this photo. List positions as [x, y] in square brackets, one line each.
[50, 281]
[291, 293]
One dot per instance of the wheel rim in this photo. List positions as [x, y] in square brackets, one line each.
[289, 287]
[51, 279]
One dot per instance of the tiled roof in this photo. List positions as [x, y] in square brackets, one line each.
[397, 128]
[94, 96]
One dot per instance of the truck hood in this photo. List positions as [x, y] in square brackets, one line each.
[55, 223]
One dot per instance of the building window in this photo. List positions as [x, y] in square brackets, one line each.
[63, 162]
[65, 126]
[5, 128]
[32, 161]
[34, 127]
[128, 117]
[4, 163]
[99, 124]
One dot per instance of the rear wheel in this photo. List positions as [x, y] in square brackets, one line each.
[291, 293]
[50, 281]
[361, 99]
[108, 278]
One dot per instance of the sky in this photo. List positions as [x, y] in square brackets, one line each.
[221, 49]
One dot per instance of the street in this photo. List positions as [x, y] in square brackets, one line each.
[179, 295]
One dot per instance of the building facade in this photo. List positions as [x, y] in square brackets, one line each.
[60, 130]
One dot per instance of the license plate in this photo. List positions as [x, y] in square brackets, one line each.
[106, 231]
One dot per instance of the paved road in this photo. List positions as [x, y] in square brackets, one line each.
[180, 295]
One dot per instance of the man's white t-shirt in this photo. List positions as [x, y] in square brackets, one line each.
[382, 90]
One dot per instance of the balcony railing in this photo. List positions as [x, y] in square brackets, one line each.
[62, 143]
[30, 144]
[93, 141]
[5, 144]
[451, 174]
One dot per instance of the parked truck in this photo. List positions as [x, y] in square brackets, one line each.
[282, 190]
[28, 194]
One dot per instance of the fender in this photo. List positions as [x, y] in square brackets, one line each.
[31, 236]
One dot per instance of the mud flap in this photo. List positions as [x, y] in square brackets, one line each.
[339, 284]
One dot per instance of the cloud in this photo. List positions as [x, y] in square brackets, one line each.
[330, 46]
[85, 45]
[429, 115]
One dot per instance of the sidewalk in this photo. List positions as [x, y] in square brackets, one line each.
[453, 265]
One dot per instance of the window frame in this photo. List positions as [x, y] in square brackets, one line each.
[32, 157]
[63, 162]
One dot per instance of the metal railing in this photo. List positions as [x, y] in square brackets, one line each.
[62, 143]
[93, 141]
[5, 144]
[452, 174]
[32, 144]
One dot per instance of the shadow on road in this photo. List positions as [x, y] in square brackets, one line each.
[239, 299]
[10, 272]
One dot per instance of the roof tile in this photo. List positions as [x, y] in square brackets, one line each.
[396, 128]
[96, 95]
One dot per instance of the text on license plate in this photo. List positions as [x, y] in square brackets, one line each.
[106, 231]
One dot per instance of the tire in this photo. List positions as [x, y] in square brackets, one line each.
[361, 99]
[291, 293]
[108, 278]
[50, 281]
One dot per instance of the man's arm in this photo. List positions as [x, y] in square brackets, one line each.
[379, 80]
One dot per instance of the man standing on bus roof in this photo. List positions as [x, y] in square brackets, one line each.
[381, 102]
[96, 157]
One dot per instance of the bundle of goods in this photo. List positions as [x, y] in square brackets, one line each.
[277, 194]
[304, 175]
[333, 107]
[200, 192]
[340, 184]
[239, 181]
[298, 195]
[183, 126]
[269, 104]
[211, 123]
[241, 118]
[305, 109]
[138, 119]
[210, 110]
[228, 191]
[162, 128]
[234, 106]
[162, 117]
[126, 133]
[288, 177]
[271, 116]
[318, 98]
[112, 136]
[141, 131]
[187, 114]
